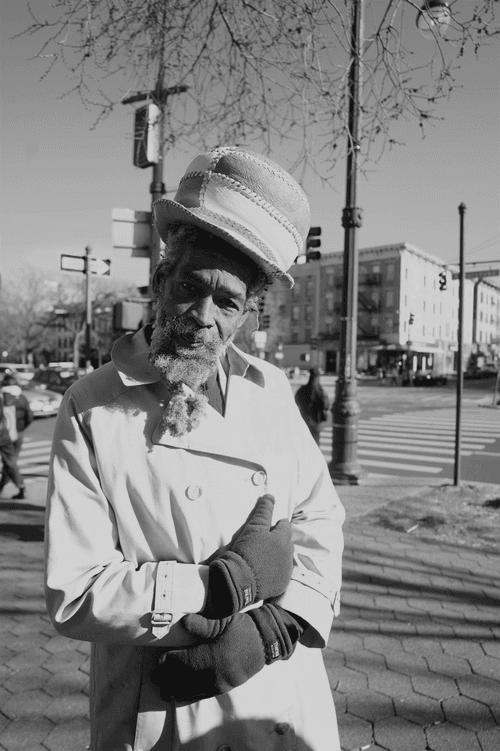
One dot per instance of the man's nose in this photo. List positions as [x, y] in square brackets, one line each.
[202, 311]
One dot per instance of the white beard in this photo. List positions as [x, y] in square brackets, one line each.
[179, 365]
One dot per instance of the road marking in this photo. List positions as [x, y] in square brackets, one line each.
[395, 455]
[408, 467]
[420, 440]
[412, 447]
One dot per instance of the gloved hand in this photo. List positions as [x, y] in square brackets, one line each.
[258, 565]
[231, 651]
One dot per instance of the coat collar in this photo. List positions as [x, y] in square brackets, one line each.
[130, 357]
[215, 434]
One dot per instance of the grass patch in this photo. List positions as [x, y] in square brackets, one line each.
[468, 515]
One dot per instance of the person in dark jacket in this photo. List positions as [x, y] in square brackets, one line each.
[312, 402]
[12, 395]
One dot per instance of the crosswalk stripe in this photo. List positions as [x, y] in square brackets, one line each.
[420, 433]
[29, 442]
[410, 447]
[395, 455]
[423, 438]
[438, 426]
[393, 465]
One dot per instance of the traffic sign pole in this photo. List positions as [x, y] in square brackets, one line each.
[88, 308]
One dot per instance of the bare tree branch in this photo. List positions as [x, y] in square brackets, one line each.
[262, 69]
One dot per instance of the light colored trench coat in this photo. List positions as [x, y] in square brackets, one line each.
[133, 517]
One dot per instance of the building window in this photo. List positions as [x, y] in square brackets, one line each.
[480, 336]
[307, 335]
[404, 327]
[406, 274]
[295, 312]
[329, 279]
[481, 297]
[296, 289]
[310, 286]
[423, 330]
[308, 312]
[390, 272]
[481, 315]
[294, 338]
[440, 332]
[376, 268]
[423, 305]
[389, 298]
[425, 281]
[434, 308]
[329, 301]
[406, 301]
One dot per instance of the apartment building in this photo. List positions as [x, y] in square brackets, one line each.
[407, 312]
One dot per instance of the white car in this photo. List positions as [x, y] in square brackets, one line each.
[43, 402]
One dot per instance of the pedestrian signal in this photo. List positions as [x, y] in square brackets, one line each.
[411, 319]
[442, 280]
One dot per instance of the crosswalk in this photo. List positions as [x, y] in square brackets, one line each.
[34, 459]
[420, 442]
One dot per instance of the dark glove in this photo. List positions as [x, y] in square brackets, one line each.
[257, 567]
[232, 651]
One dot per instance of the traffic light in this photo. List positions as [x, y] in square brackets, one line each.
[146, 136]
[313, 241]
[442, 280]
[411, 319]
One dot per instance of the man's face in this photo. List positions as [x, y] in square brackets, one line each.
[199, 312]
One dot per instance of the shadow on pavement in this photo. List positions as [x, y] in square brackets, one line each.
[23, 532]
[8, 506]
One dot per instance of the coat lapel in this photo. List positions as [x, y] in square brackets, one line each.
[225, 436]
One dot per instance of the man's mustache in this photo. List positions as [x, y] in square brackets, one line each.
[190, 331]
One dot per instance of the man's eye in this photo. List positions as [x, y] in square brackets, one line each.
[188, 287]
[228, 303]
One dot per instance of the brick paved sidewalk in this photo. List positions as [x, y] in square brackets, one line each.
[414, 660]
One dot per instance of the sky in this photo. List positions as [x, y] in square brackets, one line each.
[60, 180]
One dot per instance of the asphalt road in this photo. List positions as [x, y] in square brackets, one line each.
[402, 431]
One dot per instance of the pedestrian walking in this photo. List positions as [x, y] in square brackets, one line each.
[9, 438]
[394, 376]
[312, 402]
[193, 533]
[23, 413]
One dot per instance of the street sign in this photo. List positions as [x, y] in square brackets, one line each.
[477, 274]
[131, 230]
[72, 263]
[98, 266]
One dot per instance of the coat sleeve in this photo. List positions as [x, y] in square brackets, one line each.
[93, 593]
[314, 591]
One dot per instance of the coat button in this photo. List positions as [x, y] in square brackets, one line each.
[282, 728]
[193, 492]
[259, 478]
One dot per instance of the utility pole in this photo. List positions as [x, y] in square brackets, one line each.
[88, 310]
[460, 337]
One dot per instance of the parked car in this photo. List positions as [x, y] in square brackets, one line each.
[43, 402]
[429, 379]
[55, 380]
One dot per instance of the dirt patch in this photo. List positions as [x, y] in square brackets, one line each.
[468, 515]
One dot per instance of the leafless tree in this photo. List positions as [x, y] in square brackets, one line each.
[262, 69]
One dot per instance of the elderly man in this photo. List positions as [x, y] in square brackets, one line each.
[193, 532]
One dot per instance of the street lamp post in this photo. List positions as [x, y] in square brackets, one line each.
[344, 467]
[432, 19]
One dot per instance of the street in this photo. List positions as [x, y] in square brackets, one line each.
[411, 432]
[402, 432]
